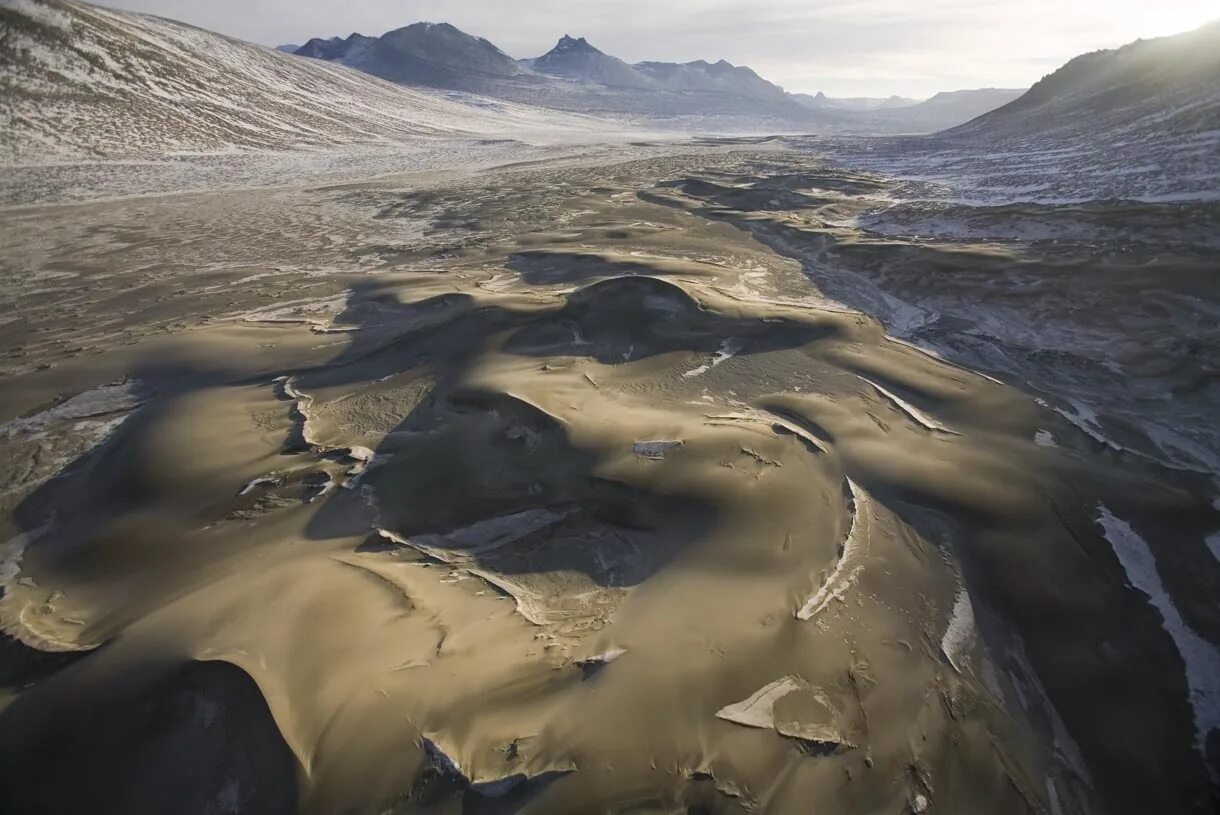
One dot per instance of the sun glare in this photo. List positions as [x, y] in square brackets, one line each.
[1145, 19]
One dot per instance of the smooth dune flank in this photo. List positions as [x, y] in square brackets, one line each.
[607, 484]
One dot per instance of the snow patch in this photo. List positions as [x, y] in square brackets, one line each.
[1213, 544]
[728, 349]
[855, 550]
[655, 450]
[113, 398]
[1202, 658]
[39, 13]
[911, 411]
[758, 710]
[959, 635]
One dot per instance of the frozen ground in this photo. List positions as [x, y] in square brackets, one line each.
[67, 181]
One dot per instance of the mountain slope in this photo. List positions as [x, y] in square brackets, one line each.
[1141, 121]
[1138, 123]
[86, 81]
[1175, 79]
[576, 59]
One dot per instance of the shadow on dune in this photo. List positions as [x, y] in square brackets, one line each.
[197, 737]
[466, 454]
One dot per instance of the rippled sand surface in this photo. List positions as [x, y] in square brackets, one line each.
[601, 487]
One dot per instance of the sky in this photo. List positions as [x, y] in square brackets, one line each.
[843, 47]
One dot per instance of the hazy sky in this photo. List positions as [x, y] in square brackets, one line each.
[844, 47]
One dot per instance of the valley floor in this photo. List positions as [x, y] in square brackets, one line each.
[651, 478]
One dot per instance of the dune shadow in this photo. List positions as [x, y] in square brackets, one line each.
[123, 739]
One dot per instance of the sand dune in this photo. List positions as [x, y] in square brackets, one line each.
[564, 489]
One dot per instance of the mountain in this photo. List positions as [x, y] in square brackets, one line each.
[576, 76]
[576, 59]
[1138, 122]
[971, 102]
[896, 101]
[898, 114]
[422, 54]
[717, 77]
[133, 86]
[335, 48]
[945, 110]
[861, 103]
[820, 101]
[1170, 82]
[287, 48]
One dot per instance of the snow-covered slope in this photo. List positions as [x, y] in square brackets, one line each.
[82, 81]
[1141, 123]
[1170, 84]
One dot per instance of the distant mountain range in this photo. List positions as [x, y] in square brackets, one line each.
[576, 76]
[131, 85]
[821, 101]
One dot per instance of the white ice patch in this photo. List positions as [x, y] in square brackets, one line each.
[303, 403]
[604, 658]
[1213, 544]
[1043, 438]
[1085, 418]
[960, 633]
[855, 550]
[771, 420]
[1052, 795]
[39, 13]
[13, 550]
[758, 710]
[728, 349]
[654, 449]
[324, 489]
[363, 458]
[911, 411]
[460, 545]
[493, 533]
[489, 785]
[113, 398]
[1202, 659]
[261, 481]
